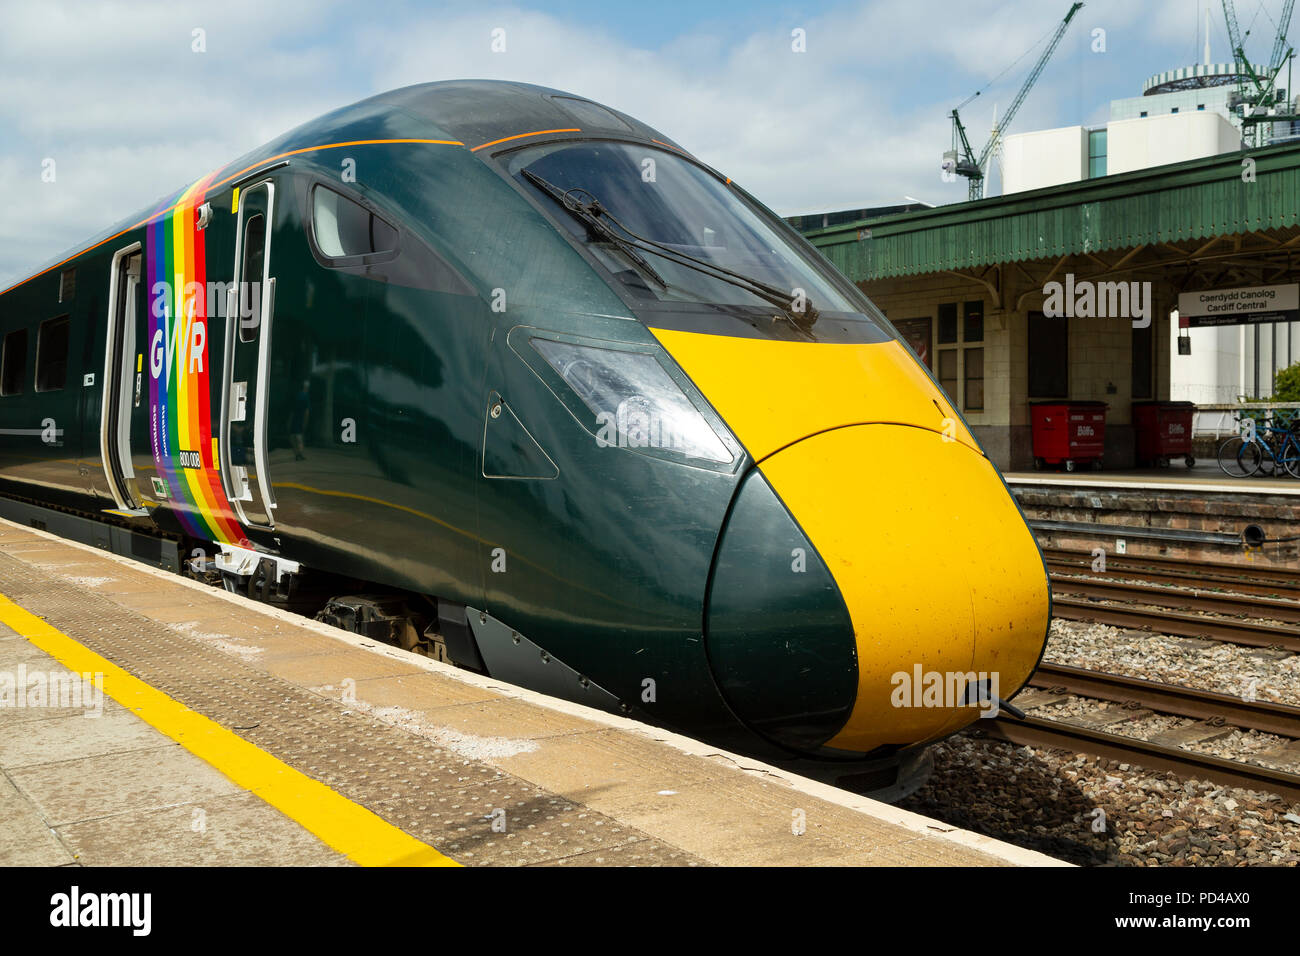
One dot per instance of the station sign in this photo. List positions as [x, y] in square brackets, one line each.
[1254, 305]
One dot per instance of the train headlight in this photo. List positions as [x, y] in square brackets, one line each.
[635, 401]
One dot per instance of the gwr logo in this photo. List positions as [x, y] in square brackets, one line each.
[188, 329]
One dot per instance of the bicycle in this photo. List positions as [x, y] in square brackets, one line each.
[1278, 449]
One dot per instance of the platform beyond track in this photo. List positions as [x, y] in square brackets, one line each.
[233, 733]
[1204, 477]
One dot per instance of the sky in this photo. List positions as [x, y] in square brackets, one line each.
[120, 98]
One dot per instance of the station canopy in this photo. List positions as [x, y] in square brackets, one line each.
[1207, 225]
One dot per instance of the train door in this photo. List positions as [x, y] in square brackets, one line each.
[123, 363]
[249, 313]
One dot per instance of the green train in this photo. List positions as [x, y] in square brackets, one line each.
[567, 407]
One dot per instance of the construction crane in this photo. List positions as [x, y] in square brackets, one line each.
[961, 158]
[1257, 95]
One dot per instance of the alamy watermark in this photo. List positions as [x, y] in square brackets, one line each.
[133, 911]
[635, 424]
[22, 688]
[946, 689]
[183, 298]
[1098, 300]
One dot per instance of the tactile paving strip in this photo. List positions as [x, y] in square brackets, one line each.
[443, 798]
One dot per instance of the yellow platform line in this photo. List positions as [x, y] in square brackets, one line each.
[344, 826]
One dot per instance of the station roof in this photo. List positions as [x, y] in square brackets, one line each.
[1193, 200]
[820, 220]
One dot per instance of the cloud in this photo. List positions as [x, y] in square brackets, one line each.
[116, 95]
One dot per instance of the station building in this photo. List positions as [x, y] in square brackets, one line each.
[975, 287]
[1183, 114]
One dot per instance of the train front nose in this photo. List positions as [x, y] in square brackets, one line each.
[867, 575]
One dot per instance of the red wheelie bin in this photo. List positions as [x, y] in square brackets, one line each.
[1162, 431]
[1068, 433]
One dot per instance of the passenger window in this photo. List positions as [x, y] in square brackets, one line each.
[344, 228]
[52, 355]
[250, 278]
[13, 363]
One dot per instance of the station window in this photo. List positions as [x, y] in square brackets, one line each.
[974, 387]
[972, 331]
[948, 357]
[13, 362]
[52, 355]
[1049, 363]
[344, 228]
[948, 373]
[948, 324]
[972, 321]
[959, 368]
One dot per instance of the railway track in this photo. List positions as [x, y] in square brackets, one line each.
[1178, 624]
[1261, 582]
[1265, 716]
[1273, 609]
[1041, 732]
[1184, 600]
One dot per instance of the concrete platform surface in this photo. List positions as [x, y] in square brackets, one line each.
[232, 733]
[1203, 478]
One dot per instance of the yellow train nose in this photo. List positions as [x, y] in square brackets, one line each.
[943, 581]
[941, 576]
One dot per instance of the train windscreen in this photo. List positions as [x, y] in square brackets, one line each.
[670, 231]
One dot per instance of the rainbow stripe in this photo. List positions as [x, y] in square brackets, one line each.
[179, 351]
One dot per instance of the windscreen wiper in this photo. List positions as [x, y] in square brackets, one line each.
[803, 319]
[593, 214]
[595, 227]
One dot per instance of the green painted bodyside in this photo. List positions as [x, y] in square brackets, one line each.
[605, 564]
[779, 633]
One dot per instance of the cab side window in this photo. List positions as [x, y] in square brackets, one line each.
[348, 237]
[343, 228]
[13, 362]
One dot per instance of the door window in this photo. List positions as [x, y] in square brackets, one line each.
[250, 275]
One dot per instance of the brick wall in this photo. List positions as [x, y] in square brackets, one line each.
[1113, 512]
